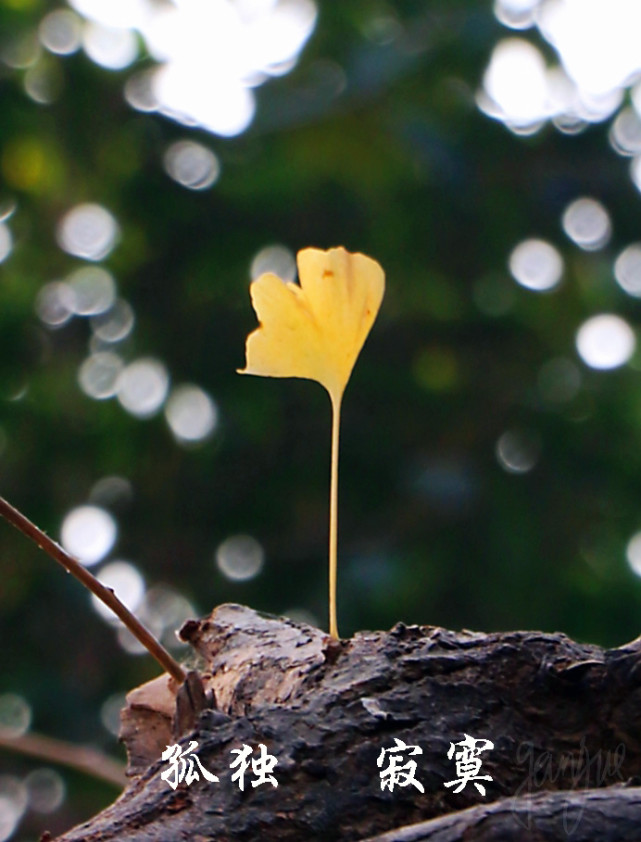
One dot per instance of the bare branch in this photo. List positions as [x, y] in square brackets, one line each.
[84, 759]
[106, 595]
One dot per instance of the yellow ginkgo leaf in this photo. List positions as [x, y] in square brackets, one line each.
[315, 330]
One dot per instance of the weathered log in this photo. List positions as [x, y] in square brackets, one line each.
[612, 814]
[564, 720]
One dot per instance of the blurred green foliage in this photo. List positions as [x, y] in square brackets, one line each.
[401, 165]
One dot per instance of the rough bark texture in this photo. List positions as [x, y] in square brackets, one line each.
[564, 718]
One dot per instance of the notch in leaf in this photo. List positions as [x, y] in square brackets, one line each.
[316, 331]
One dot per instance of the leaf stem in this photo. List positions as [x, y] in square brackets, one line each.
[333, 516]
[105, 594]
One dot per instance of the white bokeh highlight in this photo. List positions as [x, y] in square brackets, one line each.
[516, 14]
[110, 47]
[633, 553]
[192, 165]
[605, 341]
[127, 583]
[210, 54]
[277, 259]
[93, 290]
[536, 265]
[191, 414]
[587, 223]
[515, 85]
[99, 375]
[88, 533]
[15, 715]
[6, 242]
[596, 42]
[240, 558]
[60, 32]
[625, 133]
[143, 387]
[13, 803]
[114, 324]
[55, 304]
[88, 231]
[627, 270]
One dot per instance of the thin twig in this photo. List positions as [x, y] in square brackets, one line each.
[105, 594]
[84, 759]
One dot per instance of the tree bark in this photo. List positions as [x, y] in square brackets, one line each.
[564, 720]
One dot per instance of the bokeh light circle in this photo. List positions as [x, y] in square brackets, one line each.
[587, 223]
[93, 290]
[277, 259]
[110, 712]
[60, 32]
[112, 490]
[13, 803]
[633, 553]
[99, 375]
[516, 85]
[46, 790]
[240, 558]
[55, 304]
[88, 231]
[191, 413]
[625, 133]
[518, 451]
[516, 14]
[127, 583]
[6, 242]
[114, 324]
[88, 533]
[15, 715]
[627, 270]
[113, 48]
[139, 92]
[143, 387]
[192, 165]
[227, 110]
[536, 265]
[605, 341]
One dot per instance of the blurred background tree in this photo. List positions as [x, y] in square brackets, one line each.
[155, 156]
